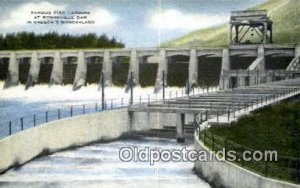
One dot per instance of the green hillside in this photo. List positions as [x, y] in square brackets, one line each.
[286, 28]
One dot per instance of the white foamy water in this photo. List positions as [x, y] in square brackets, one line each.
[91, 166]
[59, 93]
[99, 165]
[15, 102]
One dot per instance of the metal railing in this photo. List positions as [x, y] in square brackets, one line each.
[14, 126]
[11, 127]
[285, 168]
[233, 110]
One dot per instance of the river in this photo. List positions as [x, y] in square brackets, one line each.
[99, 165]
[96, 165]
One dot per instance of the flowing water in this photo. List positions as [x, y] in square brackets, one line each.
[15, 102]
[97, 165]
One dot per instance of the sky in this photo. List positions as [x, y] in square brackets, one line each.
[137, 23]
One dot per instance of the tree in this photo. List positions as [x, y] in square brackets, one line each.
[53, 40]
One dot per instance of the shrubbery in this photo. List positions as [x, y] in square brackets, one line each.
[271, 128]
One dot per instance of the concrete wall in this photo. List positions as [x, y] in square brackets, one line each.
[54, 136]
[145, 121]
[227, 174]
[76, 131]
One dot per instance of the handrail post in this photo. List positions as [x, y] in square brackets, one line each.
[34, 120]
[22, 124]
[225, 148]
[228, 114]
[9, 124]
[163, 84]
[131, 88]
[242, 159]
[188, 86]
[213, 142]
[58, 114]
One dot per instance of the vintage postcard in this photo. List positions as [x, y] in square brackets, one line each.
[150, 93]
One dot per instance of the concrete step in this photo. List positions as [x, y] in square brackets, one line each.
[188, 126]
[169, 127]
[156, 134]
[171, 131]
[162, 134]
[163, 130]
[189, 131]
[168, 131]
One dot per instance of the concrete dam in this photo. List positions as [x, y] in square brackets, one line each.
[77, 144]
[181, 66]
